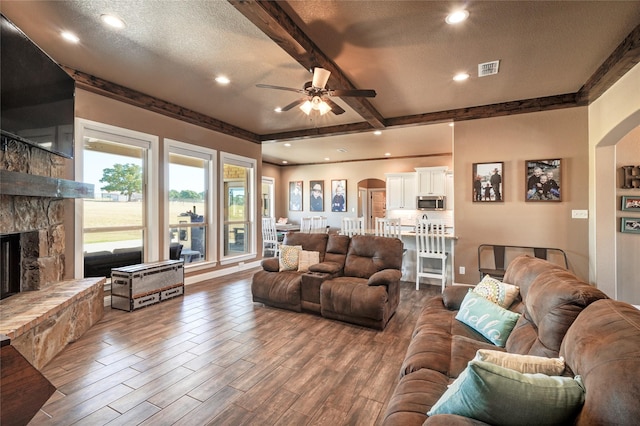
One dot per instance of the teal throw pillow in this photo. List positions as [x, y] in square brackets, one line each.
[487, 318]
[501, 396]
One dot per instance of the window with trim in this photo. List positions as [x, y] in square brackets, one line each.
[116, 222]
[237, 189]
[189, 201]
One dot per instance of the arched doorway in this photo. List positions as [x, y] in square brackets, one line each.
[617, 268]
[372, 194]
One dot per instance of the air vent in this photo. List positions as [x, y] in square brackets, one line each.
[488, 68]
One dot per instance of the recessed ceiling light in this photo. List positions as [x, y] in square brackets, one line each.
[70, 37]
[461, 76]
[377, 133]
[387, 154]
[112, 21]
[223, 80]
[285, 162]
[287, 144]
[327, 158]
[277, 109]
[457, 17]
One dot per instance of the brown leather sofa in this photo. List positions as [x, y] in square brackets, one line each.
[598, 338]
[356, 281]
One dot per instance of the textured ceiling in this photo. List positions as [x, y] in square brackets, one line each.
[404, 50]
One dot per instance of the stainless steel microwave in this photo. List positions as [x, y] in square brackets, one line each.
[431, 202]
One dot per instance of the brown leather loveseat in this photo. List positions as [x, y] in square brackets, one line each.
[561, 316]
[357, 279]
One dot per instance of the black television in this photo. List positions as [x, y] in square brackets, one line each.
[36, 94]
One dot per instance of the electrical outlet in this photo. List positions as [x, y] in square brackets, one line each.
[462, 270]
[579, 214]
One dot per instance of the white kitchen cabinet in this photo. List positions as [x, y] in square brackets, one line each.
[431, 180]
[401, 191]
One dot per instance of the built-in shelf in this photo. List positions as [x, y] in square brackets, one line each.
[16, 183]
[631, 177]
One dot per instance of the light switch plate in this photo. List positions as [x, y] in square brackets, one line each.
[579, 214]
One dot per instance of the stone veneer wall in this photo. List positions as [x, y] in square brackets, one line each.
[40, 219]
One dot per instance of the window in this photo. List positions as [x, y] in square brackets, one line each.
[237, 178]
[268, 197]
[190, 201]
[118, 219]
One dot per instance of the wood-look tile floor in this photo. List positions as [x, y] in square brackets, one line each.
[215, 357]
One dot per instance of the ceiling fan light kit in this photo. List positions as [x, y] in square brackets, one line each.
[315, 104]
[317, 95]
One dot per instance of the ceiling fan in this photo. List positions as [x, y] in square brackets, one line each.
[316, 95]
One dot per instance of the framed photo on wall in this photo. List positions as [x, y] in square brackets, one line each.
[316, 200]
[630, 224]
[339, 195]
[487, 182]
[544, 180]
[631, 203]
[295, 196]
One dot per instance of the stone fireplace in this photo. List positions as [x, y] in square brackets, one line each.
[47, 312]
[37, 221]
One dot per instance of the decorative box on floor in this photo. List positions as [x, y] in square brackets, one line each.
[137, 286]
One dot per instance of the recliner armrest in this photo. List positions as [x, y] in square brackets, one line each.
[452, 296]
[271, 264]
[326, 267]
[385, 277]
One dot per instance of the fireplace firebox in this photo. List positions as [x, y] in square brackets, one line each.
[9, 265]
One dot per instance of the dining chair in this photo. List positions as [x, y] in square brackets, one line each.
[318, 225]
[352, 226]
[270, 236]
[387, 227]
[305, 225]
[430, 244]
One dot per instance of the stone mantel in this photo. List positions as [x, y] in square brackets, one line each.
[16, 183]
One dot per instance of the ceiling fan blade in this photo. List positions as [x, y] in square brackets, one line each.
[335, 108]
[293, 104]
[320, 77]
[289, 89]
[364, 93]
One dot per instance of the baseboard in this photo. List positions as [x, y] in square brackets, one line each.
[242, 266]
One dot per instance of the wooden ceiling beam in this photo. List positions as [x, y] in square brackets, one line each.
[133, 97]
[486, 111]
[341, 129]
[272, 20]
[623, 58]
[472, 113]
